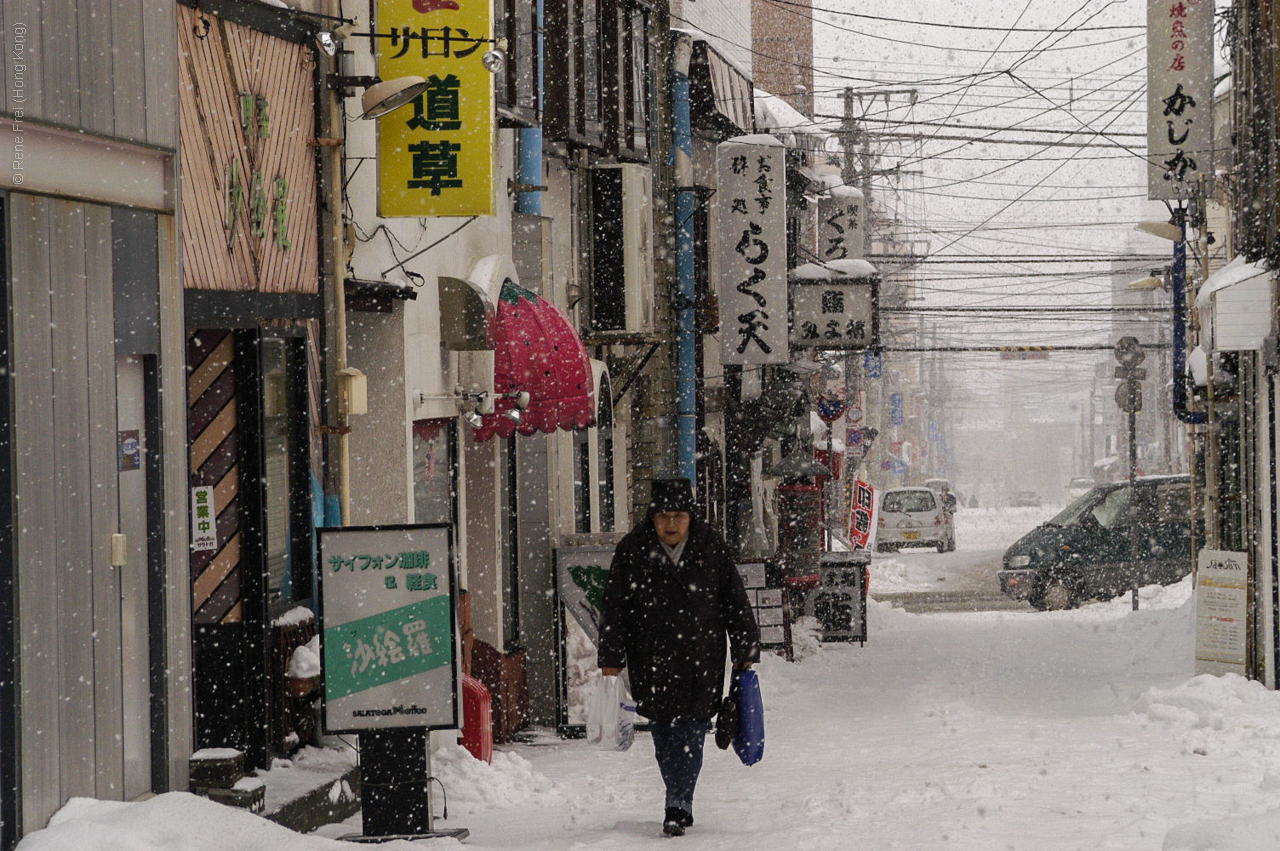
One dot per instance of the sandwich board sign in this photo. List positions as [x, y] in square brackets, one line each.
[387, 619]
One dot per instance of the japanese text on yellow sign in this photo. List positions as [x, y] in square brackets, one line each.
[435, 156]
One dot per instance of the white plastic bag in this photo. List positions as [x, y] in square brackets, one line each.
[611, 716]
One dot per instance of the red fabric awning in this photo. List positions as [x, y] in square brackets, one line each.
[538, 351]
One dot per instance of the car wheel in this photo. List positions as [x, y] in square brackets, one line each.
[942, 546]
[882, 548]
[1057, 594]
[951, 544]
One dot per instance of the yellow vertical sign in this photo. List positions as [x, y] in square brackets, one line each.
[435, 156]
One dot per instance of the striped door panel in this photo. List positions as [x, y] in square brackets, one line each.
[212, 436]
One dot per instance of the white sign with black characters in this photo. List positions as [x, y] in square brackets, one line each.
[1179, 95]
[841, 224]
[752, 250]
[832, 312]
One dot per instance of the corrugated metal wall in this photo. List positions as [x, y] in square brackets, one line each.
[69, 659]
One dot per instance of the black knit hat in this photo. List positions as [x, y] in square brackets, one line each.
[671, 495]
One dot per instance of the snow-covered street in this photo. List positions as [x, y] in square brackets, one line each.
[976, 731]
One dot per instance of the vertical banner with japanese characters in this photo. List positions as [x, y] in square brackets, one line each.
[387, 627]
[435, 156]
[862, 515]
[752, 250]
[1179, 95]
[841, 221]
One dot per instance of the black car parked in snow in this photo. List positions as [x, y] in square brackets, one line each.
[1083, 552]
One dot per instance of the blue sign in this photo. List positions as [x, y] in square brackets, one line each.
[899, 466]
[871, 364]
[933, 431]
[895, 409]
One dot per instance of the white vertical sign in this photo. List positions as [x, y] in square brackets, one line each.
[752, 250]
[841, 224]
[1179, 95]
[204, 519]
[1222, 612]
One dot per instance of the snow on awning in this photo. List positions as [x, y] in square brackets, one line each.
[1237, 271]
[718, 90]
[1235, 305]
[774, 115]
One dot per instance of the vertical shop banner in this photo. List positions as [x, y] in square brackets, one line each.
[435, 156]
[387, 627]
[841, 229]
[862, 516]
[1179, 96]
[751, 245]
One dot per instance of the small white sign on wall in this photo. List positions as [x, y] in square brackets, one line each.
[204, 520]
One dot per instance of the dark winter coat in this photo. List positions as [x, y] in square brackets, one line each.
[667, 624]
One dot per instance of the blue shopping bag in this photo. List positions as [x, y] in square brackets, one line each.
[748, 743]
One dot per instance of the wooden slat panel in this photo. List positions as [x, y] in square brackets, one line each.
[97, 108]
[60, 63]
[173, 429]
[128, 63]
[73, 496]
[215, 71]
[108, 700]
[38, 581]
[159, 28]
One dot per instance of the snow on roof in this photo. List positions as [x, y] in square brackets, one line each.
[853, 268]
[758, 139]
[1237, 271]
[833, 269]
[844, 191]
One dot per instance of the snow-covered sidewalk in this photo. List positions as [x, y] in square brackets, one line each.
[1068, 730]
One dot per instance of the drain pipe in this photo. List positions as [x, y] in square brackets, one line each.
[529, 142]
[1179, 286]
[683, 300]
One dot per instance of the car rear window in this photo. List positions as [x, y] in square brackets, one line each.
[909, 501]
[1173, 502]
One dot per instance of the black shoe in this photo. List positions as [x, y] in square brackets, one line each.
[685, 818]
[673, 822]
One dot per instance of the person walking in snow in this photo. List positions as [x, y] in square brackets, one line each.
[673, 596]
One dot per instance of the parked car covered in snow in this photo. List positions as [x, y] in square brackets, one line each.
[1083, 552]
[914, 517]
[1024, 499]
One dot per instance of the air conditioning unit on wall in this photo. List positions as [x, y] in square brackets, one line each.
[622, 238]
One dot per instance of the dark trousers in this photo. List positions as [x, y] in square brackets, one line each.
[678, 747]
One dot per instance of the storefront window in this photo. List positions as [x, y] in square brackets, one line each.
[582, 481]
[434, 471]
[604, 427]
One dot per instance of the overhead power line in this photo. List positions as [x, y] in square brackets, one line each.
[846, 14]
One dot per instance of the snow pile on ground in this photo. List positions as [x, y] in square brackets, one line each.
[889, 575]
[509, 781]
[176, 821]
